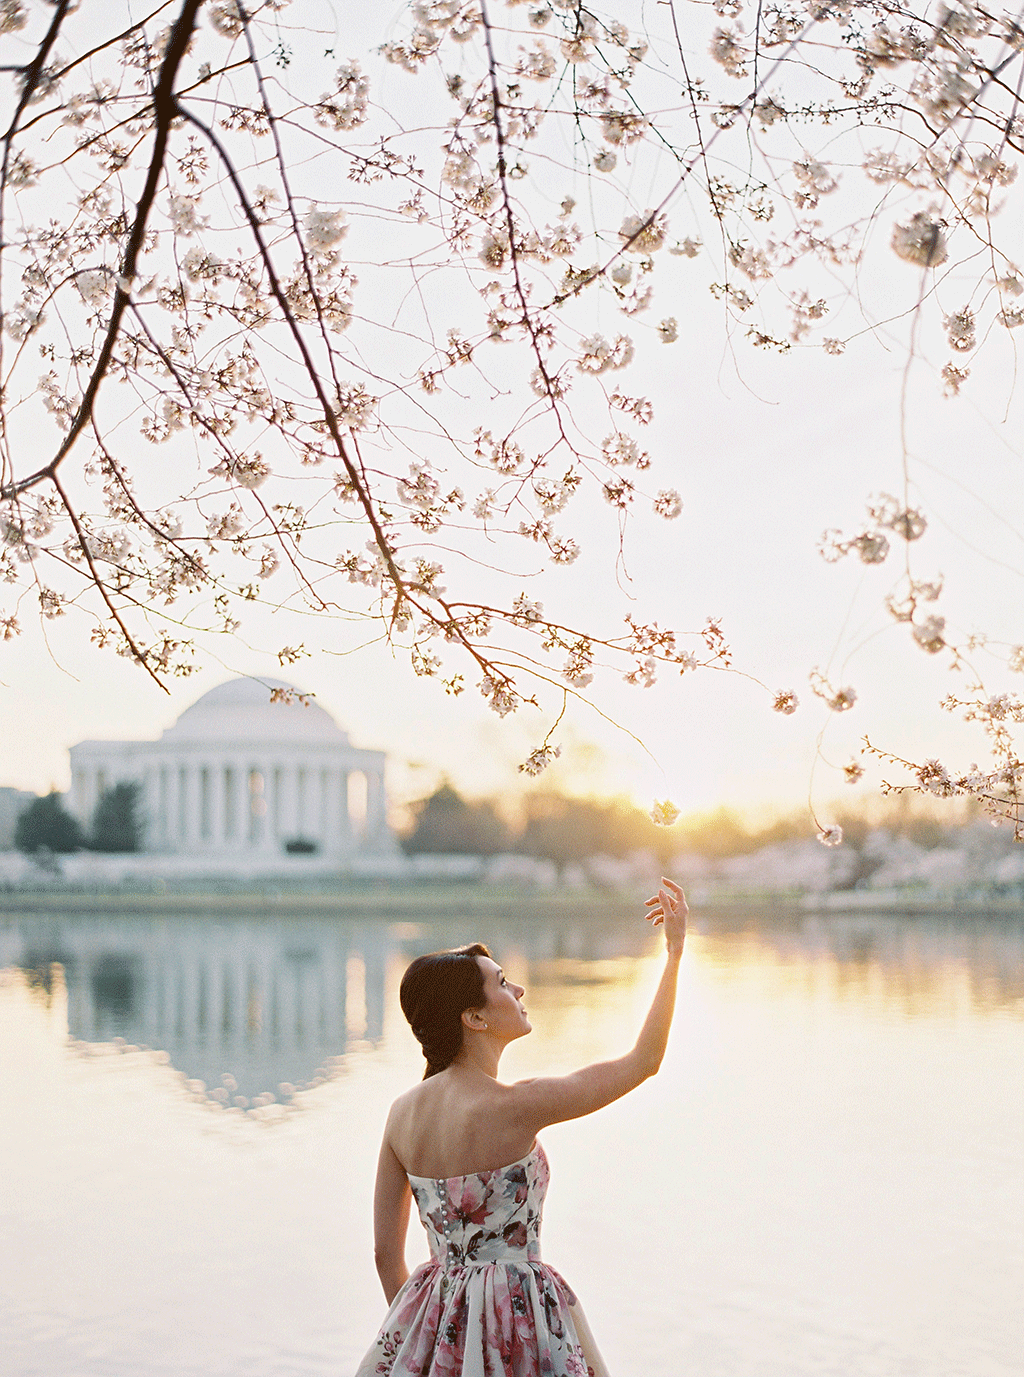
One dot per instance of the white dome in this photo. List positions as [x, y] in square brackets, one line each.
[241, 711]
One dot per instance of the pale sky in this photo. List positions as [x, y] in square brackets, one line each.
[764, 465]
[766, 452]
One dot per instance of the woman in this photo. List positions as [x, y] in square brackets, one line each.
[464, 1146]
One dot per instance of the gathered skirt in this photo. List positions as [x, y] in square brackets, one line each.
[493, 1319]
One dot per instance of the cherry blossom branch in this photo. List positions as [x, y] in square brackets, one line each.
[164, 109]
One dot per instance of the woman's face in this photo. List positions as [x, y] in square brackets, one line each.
[502, 1012]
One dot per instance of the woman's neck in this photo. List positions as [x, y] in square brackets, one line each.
[479, 1054]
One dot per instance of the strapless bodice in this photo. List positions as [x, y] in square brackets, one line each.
[489, 1216]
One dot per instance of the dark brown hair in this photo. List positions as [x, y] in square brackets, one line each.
[435, 991]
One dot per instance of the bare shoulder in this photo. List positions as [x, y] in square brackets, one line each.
[412, 1117]
[414, 1095]
[407, 1106]
[517, 1090]
[525, 1100]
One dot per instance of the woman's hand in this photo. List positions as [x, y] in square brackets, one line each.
[553, 1099]
[668, 906]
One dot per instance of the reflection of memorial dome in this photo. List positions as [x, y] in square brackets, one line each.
[267, 1001]
[244, 773]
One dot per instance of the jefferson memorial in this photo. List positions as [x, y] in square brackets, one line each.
[240, 775]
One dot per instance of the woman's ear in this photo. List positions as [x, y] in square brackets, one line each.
[474, 1018]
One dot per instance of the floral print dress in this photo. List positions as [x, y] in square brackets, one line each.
[484, 1305]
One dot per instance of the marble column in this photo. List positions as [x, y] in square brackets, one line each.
[376, 808]
[317, 805]
[251, 821]
[301, 800]
[275, 820]
[329, 794]
[243, 806]
[289, 808]
[191, 819]
[267, 839]
[184, 804]
[230, 793]
[343, 830]
[173, 814]
[161, 823]
[217, 837]
[204, 804]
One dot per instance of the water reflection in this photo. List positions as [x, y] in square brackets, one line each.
[913, 965]
[819, 1181]
[262, 1004]
[266, 1005]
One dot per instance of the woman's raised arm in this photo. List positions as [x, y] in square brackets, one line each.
[553, 1099]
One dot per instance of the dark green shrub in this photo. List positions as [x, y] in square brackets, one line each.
[46, 825]
[116, 825]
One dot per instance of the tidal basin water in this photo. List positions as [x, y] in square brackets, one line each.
[826, 1178]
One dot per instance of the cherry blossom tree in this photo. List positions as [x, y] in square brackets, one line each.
[252, 316]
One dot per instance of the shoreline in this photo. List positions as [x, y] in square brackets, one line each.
[395, 900]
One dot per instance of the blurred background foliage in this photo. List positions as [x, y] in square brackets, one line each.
[565, 829]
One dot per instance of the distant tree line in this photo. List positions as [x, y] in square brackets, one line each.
[550, 826]
[46, 825]
[567, 830]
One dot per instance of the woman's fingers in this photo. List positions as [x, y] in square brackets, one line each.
[673, 889]
[668, 902]
[661, 903]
